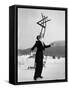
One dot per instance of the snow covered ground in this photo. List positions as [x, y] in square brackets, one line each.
[53, 69]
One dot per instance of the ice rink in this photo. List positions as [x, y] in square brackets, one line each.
[54, 69]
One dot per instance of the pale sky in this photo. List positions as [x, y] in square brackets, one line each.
[28, 29]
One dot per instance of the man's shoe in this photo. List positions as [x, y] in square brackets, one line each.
[35, 78]
[40, 76]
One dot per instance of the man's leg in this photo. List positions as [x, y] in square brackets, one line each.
[40, 70]
[36, 71]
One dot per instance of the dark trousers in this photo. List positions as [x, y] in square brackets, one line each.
[38, 69]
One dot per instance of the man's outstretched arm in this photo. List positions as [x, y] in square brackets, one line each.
[47, 46]
[33, 47]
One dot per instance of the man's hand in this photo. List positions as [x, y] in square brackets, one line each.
[52, 44]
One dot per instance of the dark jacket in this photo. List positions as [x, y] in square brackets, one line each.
[40, 49]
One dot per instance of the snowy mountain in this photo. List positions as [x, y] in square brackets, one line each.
[59, 43]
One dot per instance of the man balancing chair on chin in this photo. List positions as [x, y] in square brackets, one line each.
[39, 44]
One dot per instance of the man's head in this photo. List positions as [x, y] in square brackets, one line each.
[39, 37]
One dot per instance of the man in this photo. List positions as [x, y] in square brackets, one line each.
[39, 56]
